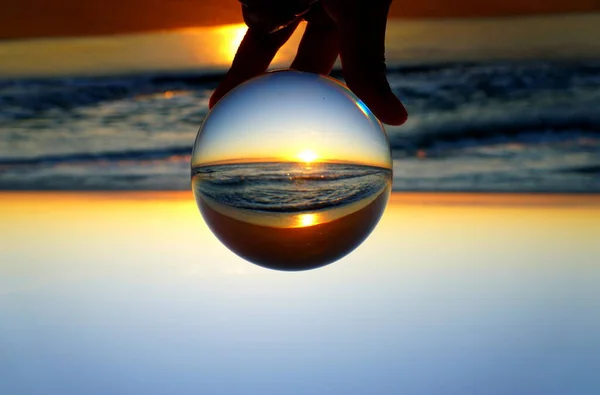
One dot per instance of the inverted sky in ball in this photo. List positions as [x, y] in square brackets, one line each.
[291, 171]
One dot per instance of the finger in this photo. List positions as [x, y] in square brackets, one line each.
[362, 52]
[318, 49]
[253, 57]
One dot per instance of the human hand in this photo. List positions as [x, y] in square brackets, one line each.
[354, 29]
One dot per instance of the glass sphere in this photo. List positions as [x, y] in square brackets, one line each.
[291, 171]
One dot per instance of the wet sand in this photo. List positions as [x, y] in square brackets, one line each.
[132, 293]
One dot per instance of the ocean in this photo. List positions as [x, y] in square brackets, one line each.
[518, 117]
[289, 187]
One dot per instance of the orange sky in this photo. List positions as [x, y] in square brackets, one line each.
[38, 18]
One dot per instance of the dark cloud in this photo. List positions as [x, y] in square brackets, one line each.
[39, 18]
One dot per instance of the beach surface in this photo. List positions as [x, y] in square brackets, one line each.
[452, 293]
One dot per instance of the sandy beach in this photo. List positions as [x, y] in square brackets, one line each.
[469, 289]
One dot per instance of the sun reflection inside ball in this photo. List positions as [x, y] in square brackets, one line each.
[291, 171]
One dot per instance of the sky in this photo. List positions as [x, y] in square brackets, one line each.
[271, 125]
[42, 18]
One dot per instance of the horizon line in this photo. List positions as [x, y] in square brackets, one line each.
[279, 160]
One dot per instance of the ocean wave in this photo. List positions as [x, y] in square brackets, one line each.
[28, 98]
[472, 126]
[247, 186]
[434, 86]
[483, 103]
[90, 157]
[458, 130]
[247, 173]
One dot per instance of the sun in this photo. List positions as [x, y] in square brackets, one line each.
[308, 156]
[228, 39]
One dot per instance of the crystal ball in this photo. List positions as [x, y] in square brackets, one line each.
[291, 171]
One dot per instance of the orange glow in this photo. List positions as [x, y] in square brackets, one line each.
[168, 94]
[74, 225]
[217, 46]
[202, 47]
[305, 220]
[228, 39]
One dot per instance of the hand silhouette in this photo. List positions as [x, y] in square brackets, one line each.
[354, 29]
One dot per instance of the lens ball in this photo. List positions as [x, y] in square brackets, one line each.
[291, 171]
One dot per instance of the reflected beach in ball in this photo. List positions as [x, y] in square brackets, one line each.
[291, 171]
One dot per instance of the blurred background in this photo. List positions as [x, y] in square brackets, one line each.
[108, 286]
[502, 95]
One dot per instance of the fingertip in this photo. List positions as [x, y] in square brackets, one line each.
[376, 93]
[221, 91]
[218, 95]
[394, 113]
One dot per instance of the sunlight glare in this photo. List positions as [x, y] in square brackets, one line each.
[308, 156]
[305, 220]
[229, 39]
